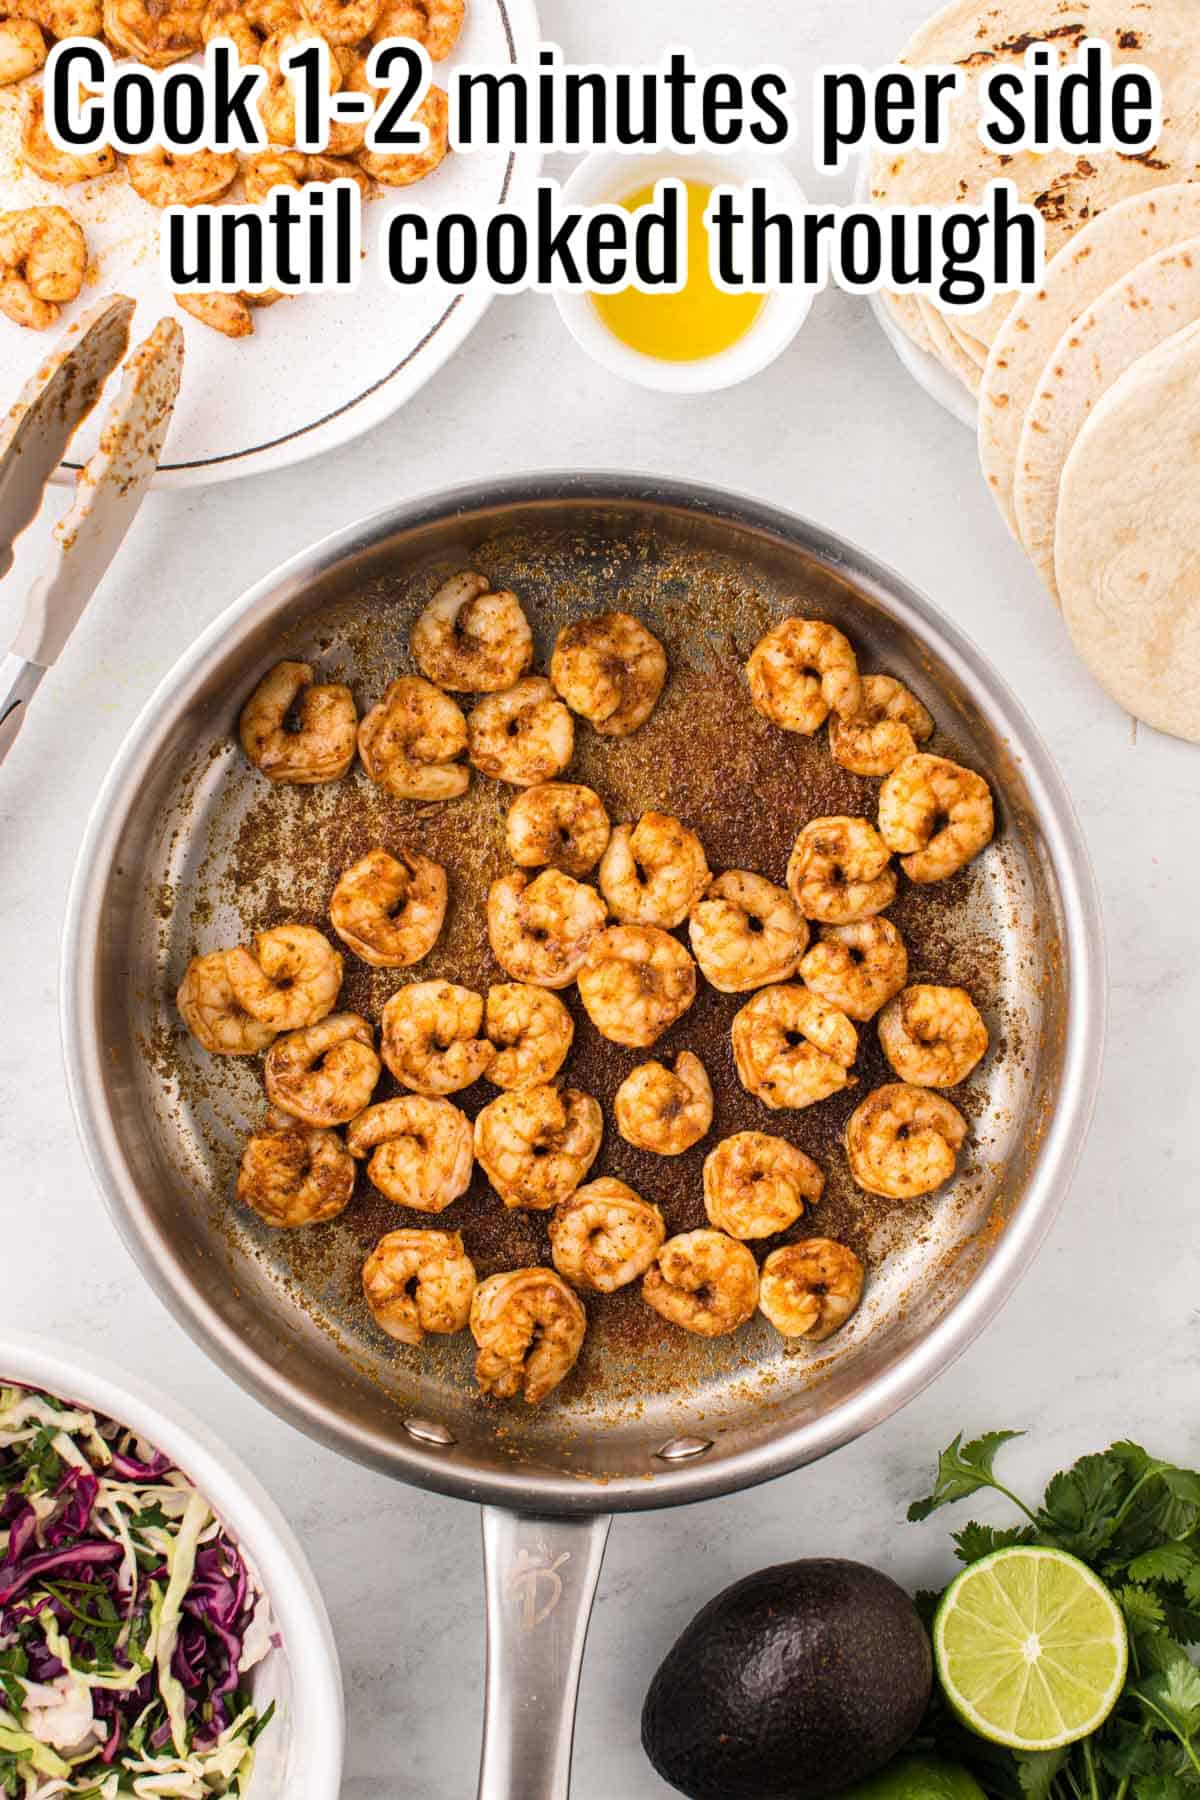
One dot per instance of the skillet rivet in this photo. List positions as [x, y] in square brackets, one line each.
[680, 1449]
[426, 1431]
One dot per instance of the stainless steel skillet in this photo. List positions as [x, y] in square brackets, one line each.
[186, 849]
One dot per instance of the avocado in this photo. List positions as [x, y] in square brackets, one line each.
[790, 1685]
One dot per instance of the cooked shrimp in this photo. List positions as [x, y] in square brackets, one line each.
[326, 1073]
[537, 1144]
[230, 314]
[540, 929]
[390, 909]
[840, 870]
[746, 932]
[792, 1048]
[170, 178]
[810, 1289]
[935, 815]
[65, 167]
[887, 728]
[318, 166]
[653, 872]
[68, 18]
[431, 1040]
[434, 23]
[903, 1141]
[529, 1327]
[43, 260]
[605, 1236]
[157, 32]
[558, 824]
[22, 48]
[932, 1036]
[532, 1032]
[524, 735]
[400, 168]
[294, 169]
[343, 21]
[277, 101]
[858, 967]
[419, 1150]
[291, 979]
[419, 1281]
[293, 1176]
[635, 982]
[756, 1184]
[411, 742]
[665, 1110]
[610, 670]
[249, 23]
[471, 638]
[703, 1281]
[212, 1013]
[320, 748]
[801, 672]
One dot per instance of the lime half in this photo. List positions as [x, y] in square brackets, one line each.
[919, 1778]
[1031, 1648]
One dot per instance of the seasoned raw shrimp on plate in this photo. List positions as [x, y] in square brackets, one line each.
[400, 168]
[434, 23]
[840, 870]
[419, 1150]
[652, 873]
[291, 978]
[703, 1281]
[932, 1036]
[665, 1110]
[801, 672]
[610, 670]
[903, 1141]
[292, 1175]
[532, 1032]
[390, 909]
[212, 1012]
[935, 815]
[810, 1289]
[536, 1144]
[472, 638]
[413, 741]
[559, 825]
[63, 167]
[540, 928]
[523, 735]
[324, 717]
[635, 982]
[43, 260]
[419, 1281]
[887, 728]
[156, 32]
[791, 1048]
[431, 1040]
[529, 1328]
[172, 178]
[745, 932]
[605, 1236]
[756, 1184]
[326, 1073]
[858, 967]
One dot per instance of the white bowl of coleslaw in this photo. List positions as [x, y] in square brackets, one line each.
[170, 1619]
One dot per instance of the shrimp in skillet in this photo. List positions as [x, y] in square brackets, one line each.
[323, 1074]
[540, 930]
[704, 1282]
[471, 638]
[610, 670]
[559, 825]
[536, 1144]
[903, 1141]
[932, 1036]
[320, 748]
[810, 1289]
[293, 1175]
[430, 1037]
[746, 933]
[413, 741]
[935, 815]
[532, 1032]
[636, 981]
[604, 1236]
[291, 978]
[212, 1013]
[791, 1048]
[664, 1110]
[652, 873]
[840, 870]
[801, 672]
[390, 909]
[756, 1184]
[858, 967]
[419, 1281]
[529, 1328]
[524, 735]
[418, 1150]
[890, 725]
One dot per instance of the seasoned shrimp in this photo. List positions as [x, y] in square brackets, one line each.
[170, 178]
[249, 23]
[653, 872]
[889, 726]
[156, 32]
[532, 1031]
[43, 260]
[935, 815]
[559, 824]
[665, 1110]
[419, 1281]
[64, 167]
[230, 314]
[212, 1012]
[635, 982]
[343, 21]
[412, 741]
[840, 870]
[277, 101]
[858, 967]
[326, 1073]
[810, 1289]
[903, 1141]
[529, 1327]
[431, 1040]
[400, 168]
[293, 1176]
[801, 672]
[746, 932]
[390, 909]
[540, 929]
[703, 1281]
[932, 1036]
[524, 735]
[536, 1144]
[434, 23]
[294, 169]
[320, 748]
[610, 670]
[471, 638]
[68, 18]
[22, 48]
[792, 1048]
[756, 1184]
[419, 1150]
[605, 1236]
[291, 979]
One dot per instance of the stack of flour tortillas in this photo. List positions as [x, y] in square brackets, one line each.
[1089, 386]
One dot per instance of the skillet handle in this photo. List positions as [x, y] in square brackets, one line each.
[540, 1576]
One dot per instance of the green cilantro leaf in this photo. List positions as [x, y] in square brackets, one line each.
[963, 1469]
[975, 1541]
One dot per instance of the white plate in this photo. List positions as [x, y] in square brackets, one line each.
[320, 368]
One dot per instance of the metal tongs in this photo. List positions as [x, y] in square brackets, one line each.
[33, 441]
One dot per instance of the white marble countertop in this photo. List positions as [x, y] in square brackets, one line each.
[1100, 1341]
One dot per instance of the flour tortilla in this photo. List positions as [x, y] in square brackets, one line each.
[1129, 319]
[1068, 188]
[947, 348]
[966, 340]
[906, 310]
[1128, 548]
[1111, 246]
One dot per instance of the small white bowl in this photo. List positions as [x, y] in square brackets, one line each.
[607, 175]
[299, 1756]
